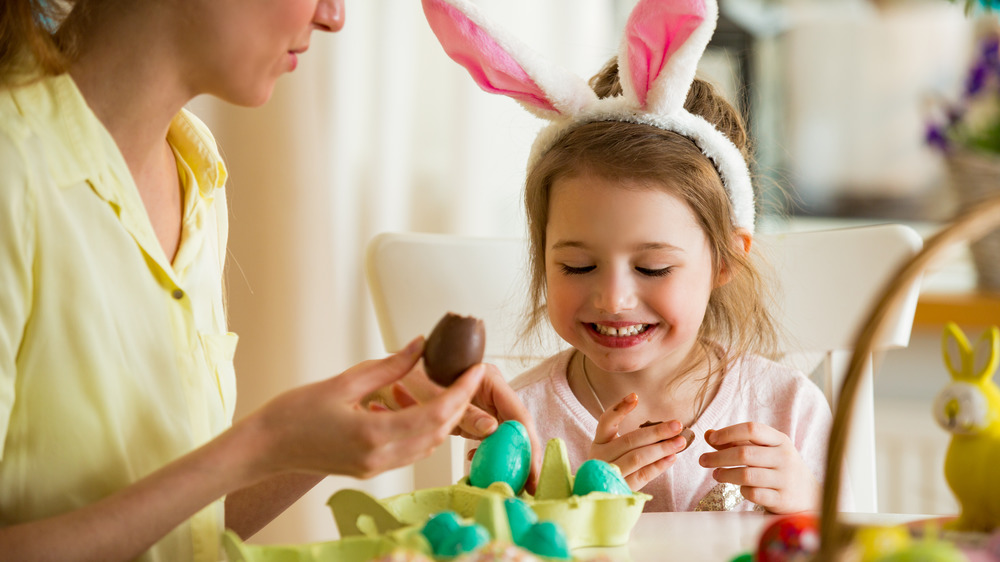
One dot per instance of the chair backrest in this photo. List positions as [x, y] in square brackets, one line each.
[828, 281]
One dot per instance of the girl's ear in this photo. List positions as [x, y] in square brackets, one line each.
[742, 239]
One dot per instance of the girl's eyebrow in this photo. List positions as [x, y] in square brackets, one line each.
[644, 247]
[659, 246]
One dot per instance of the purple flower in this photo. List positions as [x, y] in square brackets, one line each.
[936, 138]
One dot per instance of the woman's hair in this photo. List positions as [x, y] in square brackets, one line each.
[737, 316]
[29, 44]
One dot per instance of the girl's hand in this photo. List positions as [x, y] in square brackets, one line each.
[765, 464]
[323, 427]
[494, 403]
[642, 454]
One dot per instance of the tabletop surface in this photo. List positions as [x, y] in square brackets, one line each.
[707, 536]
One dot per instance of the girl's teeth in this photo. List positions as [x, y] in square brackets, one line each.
[621, 332]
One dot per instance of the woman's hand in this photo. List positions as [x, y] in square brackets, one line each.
[765, 464]
[494, 403]
[642, 454]
[323, 427]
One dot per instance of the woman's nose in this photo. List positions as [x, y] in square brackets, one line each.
[329, 15]
[615, 293]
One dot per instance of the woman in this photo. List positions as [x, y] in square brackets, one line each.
[116, 379]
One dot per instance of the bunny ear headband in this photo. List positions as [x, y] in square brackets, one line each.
[664, 39]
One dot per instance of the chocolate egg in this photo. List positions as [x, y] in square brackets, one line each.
[455, 344]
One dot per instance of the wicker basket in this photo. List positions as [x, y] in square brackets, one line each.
[975, 177]
[969, 225]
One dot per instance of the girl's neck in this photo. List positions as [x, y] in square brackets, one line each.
[679, 391]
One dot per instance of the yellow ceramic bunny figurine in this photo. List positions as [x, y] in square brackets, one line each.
[969, 408]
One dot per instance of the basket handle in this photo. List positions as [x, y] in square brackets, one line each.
[971, 224]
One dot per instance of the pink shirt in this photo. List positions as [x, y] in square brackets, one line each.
[755, 389]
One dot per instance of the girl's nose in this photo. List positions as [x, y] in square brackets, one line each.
[615, 293]
[329, 15]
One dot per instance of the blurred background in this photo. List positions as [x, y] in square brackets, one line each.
[378, 130]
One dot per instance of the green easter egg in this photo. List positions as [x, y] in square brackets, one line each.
[599, 476]
[520, 517]
[504, 456]
[546, 538]
[439, 527]
[464, 539]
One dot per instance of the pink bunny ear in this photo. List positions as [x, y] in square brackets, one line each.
[664, 39]
[501, 65]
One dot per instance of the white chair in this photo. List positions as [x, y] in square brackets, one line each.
[828, 282]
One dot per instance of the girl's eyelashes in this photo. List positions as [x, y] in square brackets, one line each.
[660, 272]
[646, 271]
[570, 270]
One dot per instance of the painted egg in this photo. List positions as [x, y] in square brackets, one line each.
[599, 476]
[792, 538]
[927, 550]
[873, 543]
[520, 517]
[546, 538]
[504, 456]
[466, 538]
[439, 527]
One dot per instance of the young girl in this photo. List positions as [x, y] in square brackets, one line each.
[640, 216]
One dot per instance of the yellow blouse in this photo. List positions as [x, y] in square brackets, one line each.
[113, 361]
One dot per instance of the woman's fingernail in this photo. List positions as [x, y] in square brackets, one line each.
[632, 398]
[414, 346]
[674, 426]
[702, 461]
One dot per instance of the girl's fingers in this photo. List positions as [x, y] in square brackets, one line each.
[637, 480]
[745, 433]
[635, 458]
[607, 426]
[766, 497]
[752, 476]
[743, 455]
[402, 396]
[446, 409]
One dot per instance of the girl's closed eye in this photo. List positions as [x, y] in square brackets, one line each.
[655, 271]
[576, 270]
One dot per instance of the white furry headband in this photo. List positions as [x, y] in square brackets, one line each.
[664, 39]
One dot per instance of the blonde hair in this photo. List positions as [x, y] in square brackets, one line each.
[738, 316]
[30, 45]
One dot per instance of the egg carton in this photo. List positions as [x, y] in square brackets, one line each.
[372, 528]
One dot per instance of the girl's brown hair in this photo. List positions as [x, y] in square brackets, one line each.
[30, 47]
[737, 316]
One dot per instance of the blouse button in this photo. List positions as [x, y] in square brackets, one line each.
[178, 294]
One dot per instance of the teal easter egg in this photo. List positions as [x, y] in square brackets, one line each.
[545, 538]
[599, 476]
[504, 456]
[520, 517]
[464, 539]
[439, 527]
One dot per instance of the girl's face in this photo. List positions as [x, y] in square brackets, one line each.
[240, 48]
[628, 272]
